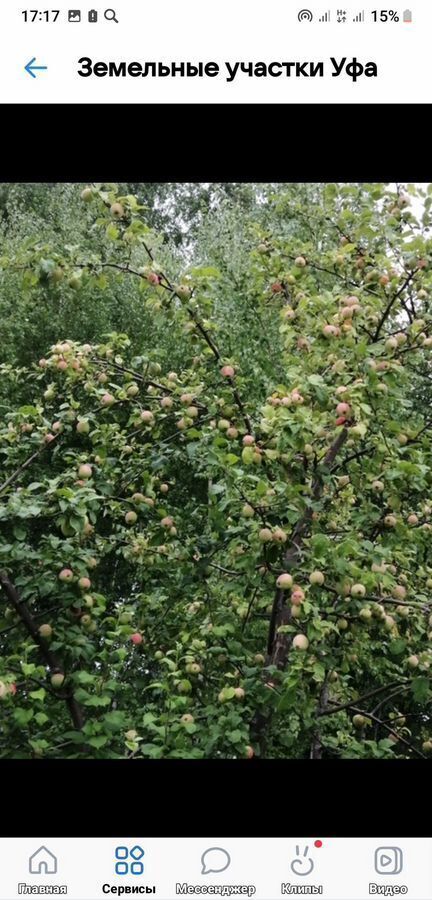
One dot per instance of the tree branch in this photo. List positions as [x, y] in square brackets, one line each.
[27, 463]
[390, 305]
[316, 745]
[330, 710]
[50, 658]
[278, 644]
[390, 730]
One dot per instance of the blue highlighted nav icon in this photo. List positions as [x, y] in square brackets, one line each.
[128, 862]
[31, 68]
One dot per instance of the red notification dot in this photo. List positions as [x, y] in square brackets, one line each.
[318, 844]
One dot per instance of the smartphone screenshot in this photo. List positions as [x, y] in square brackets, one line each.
[215, 450]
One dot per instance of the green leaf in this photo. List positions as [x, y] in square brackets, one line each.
[22, 716]
[229, 693]
[330, 191]
[28, 668]
[98, 701]
[84, 677]
[114, 720]
[396, 648]
[98, 741]
[151, 750]
[41, 718]
[28, 410]
[217, 489]
[234, 736]
[112, 232]
[38, 695]
[420, 689]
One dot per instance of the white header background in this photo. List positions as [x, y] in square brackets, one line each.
[344, 867]
[219, 31]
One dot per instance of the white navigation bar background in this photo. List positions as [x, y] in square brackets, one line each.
[345, 868]
[190, 30]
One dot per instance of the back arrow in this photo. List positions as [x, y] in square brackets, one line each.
[30, 68]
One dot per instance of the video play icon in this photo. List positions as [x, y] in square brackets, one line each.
[388, 860]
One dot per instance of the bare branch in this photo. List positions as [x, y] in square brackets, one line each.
[330, 710]
[390, 305]
[27, 463]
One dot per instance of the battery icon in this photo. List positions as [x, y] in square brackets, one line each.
[92, 16]
[407, 15]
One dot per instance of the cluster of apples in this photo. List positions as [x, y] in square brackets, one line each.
[285, 582]
[277, 287]
[67, 575]
[67, 355]
[294, 398]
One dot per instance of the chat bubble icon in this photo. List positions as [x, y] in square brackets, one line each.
[215, 859]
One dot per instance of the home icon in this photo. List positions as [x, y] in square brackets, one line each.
[43, 862]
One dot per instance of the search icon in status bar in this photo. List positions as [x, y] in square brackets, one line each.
[111, 15]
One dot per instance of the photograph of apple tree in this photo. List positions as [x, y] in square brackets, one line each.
[215, 471]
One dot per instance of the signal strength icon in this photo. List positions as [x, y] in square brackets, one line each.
[359, 17]
[325, 17]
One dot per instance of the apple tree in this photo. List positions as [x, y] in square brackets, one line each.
[230, 557]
